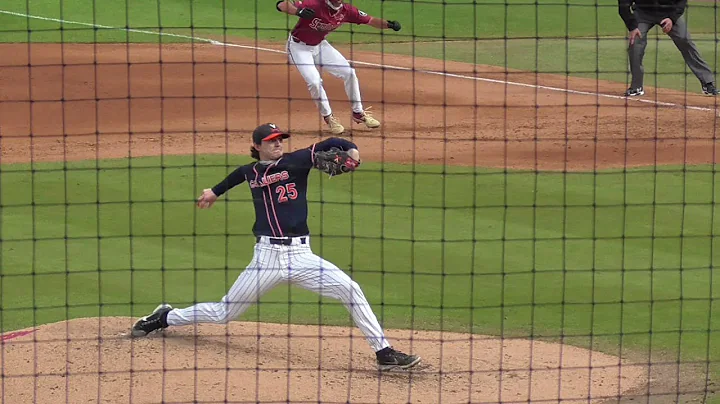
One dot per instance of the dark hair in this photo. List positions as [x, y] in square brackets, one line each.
[254, 153]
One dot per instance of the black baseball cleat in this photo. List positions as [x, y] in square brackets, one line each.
[709, 89]
[154, 321]
[388, 359]
[634, 92]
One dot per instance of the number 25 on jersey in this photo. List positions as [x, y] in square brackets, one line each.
[286, 191]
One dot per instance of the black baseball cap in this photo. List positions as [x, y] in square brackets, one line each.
[267, 132]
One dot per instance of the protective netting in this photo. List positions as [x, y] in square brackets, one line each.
[532, 218]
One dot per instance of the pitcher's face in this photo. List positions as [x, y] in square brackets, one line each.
[270, 149]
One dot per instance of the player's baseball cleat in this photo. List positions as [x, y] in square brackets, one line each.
[388, 359]
[709, 89]
[335, 127]
[366, 118]
[634, 92]
[152, 322]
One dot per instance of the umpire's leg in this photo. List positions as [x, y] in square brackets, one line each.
[636, 52]
[681, 36]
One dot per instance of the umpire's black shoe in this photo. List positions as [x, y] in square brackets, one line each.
[709, 89]
[389, 359]
[154, 321]
[634, 92]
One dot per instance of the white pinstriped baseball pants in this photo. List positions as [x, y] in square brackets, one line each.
[274, 264]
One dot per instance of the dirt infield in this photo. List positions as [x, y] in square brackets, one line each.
[91, 360]
[144, 107]
[116, 101]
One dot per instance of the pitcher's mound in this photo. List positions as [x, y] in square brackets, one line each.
[94, 360]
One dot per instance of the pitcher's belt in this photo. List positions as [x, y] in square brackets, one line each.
[282, 240]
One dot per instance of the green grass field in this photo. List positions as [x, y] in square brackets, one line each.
[565, 265]
[622, 258]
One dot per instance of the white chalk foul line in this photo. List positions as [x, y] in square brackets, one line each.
[391, 67]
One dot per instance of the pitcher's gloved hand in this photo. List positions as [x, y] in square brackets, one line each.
[335, 162]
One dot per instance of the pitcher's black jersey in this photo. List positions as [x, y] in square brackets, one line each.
[279, 189]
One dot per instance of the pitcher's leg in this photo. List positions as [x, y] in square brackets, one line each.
[320, 276]
[247, 290]
[264, 272]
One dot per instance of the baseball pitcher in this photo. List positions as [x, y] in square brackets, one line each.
[278, 184]
[307, 48]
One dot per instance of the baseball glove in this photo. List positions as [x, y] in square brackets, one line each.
[335, 161]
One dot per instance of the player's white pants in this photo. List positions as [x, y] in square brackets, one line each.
[274, 264]
[306, 58]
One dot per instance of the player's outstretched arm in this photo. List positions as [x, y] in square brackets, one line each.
[288, 7]
[210, 195]
[379, 23]
[207, 198]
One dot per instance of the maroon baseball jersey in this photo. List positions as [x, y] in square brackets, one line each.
[326, 20]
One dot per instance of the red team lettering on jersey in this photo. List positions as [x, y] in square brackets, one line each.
[326, 20]
[269, 179]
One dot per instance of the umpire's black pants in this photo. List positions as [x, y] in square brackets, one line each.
[682, 40]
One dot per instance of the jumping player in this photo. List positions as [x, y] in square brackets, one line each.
[278, 184]
[307, 47]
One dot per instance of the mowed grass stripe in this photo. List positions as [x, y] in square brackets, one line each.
[571, 252]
